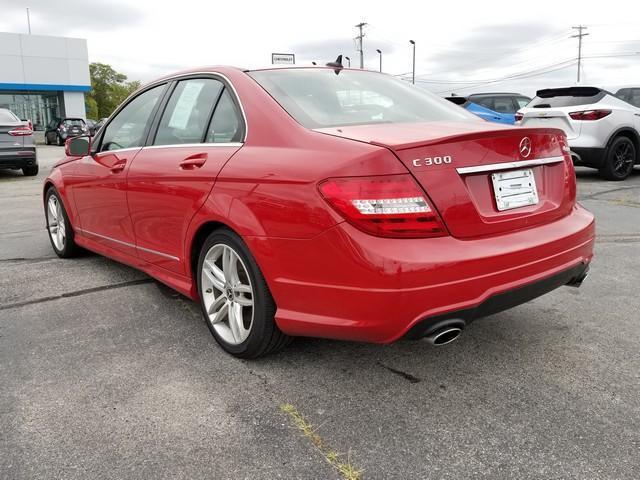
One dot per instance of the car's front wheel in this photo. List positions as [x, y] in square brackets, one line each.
[620, 159]
[235, 299]
[58, 225]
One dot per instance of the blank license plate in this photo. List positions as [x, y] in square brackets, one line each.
[514, 189]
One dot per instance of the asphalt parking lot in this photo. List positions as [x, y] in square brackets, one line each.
[108, 374]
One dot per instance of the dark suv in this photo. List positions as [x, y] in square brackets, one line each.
[500, 102]
[17, 148]
[59, 129]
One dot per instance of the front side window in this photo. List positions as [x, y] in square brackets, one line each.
[128, 128]
[323, 97]
[188, 111]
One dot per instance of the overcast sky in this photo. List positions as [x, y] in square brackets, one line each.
[469, 45]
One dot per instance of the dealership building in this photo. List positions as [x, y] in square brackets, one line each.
[43, 77]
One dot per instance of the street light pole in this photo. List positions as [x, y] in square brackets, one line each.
[380, 53]
[413, 75]
[348, 62]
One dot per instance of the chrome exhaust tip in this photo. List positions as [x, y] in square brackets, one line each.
[443, 334]
[577, 281]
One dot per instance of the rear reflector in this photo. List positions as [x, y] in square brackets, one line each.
[519, 116]
[386, 206]
[590, 114]
[20, 131]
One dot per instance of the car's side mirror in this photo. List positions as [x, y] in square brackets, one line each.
[78, 146]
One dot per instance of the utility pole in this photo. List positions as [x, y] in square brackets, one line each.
[579, 36]
[380, 53]
[413, 72]
[359, 43]
[28, 21]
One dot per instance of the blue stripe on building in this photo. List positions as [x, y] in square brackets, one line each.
[44, 87]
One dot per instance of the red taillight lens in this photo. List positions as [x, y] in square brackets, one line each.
[519, 116]
[20, 131]
[590, 114]
[386, 206]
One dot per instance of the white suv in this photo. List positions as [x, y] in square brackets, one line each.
[603, 131]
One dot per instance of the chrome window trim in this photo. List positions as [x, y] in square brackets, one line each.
[128, 149]
[194, 145]
[210, 74]
[127, 244]
[506, 166]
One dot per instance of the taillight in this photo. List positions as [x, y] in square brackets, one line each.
[20, 131]
[519, 116]
[386, 206]
[589, 114]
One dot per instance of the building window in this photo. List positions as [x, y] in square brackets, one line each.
[39, 107]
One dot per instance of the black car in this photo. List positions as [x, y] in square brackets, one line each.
[59, 129]
[17, 147]
[500, 102]
[91, 125]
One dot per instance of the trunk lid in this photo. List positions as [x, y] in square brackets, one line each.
[454, 163]
[551, 118]
[8, 142]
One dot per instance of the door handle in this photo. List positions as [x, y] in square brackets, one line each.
[194, 161]
[118, 166]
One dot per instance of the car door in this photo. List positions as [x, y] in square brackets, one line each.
[199, 130]
[99, 183]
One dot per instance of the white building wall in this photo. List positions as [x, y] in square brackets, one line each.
[40, 59]
[74, 105]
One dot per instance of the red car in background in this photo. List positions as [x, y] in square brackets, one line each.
[322, 202]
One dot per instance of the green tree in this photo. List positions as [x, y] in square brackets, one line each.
[91, 106]
[108, 89]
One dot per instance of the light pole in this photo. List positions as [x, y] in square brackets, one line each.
[348, 62]
[413, 76]
[380, 53]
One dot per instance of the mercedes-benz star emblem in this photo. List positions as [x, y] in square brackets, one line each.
[525, 147]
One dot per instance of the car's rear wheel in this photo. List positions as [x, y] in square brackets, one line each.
[235, 299]
[58, 225]
[60, 141]
[30, 171]
[621, 156]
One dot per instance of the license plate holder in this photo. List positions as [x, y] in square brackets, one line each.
[514, 189]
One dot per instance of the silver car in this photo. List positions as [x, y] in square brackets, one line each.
[17, 147]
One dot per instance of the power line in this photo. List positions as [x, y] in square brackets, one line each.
[579, 36]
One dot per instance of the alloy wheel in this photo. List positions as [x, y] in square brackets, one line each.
[227, 294]
[623, 158]
[55, 223]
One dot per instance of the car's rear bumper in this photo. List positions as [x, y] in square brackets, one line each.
[589, 157]
[18, 158]
[346, 284]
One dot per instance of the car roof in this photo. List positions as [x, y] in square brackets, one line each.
[498, 94]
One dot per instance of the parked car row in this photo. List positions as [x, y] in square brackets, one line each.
[603, 129]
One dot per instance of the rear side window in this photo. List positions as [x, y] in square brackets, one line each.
[226, 124]
[522, 101]
[7, 117]
[631, 95]
[187, 114]
[567, 97]
[128, 128]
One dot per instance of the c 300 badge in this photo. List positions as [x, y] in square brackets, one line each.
[429, 161]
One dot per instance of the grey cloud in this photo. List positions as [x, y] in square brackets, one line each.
[55, 18]
[486, 47]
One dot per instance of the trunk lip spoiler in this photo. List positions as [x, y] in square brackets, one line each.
[509, 165]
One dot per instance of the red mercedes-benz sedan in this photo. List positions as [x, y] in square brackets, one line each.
[322, 202]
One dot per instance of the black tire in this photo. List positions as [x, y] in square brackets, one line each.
[30, 171]
[70, 249]
[60, 141]
[264, 337]
[620, 159]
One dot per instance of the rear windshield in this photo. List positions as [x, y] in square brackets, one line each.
[7, 116]
[319, 97]
[566, 97]
[73, 122]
